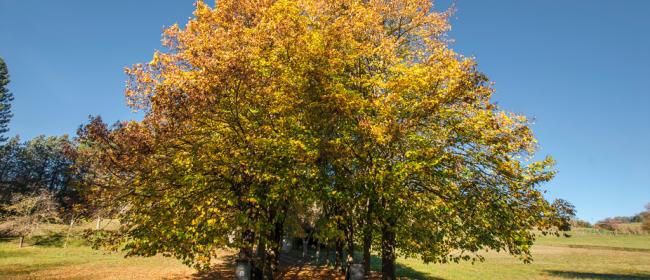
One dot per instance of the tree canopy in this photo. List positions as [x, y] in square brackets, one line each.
[359, 109]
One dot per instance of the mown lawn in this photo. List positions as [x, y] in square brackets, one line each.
[551, 262]
[590, 237]
[586, 255]
[82, 262]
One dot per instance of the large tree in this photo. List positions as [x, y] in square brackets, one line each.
[222, 149]
[358, 108]
[412, 146]
[5, 101]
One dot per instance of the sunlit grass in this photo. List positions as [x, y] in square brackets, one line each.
[585, 255]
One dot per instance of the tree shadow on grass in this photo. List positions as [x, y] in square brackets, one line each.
[290, 268]
[402, 270]
[591, 275]
[49, 240]
[57, 240]
[13, 254]
[294, 266]
[225, 269]
[24, 271]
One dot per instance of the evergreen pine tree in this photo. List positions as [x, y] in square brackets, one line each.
[5, 101]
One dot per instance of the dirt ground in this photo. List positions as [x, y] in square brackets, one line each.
[290, 268]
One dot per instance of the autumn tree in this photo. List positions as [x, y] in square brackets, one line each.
[101, 166]
[221, 149]
[411, 143]
[359, 108]
[5, 101]
[25, 214]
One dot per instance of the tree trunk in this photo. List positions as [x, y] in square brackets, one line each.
[260, 263]
[318, 245]
[67, 236]
[367, 243]
[305, 246]
[273, 253]
[327, 257]
[272, 263]
[273, 259]
[350, 248]
[339, 255]
[20, 244]
[388, 252]
[367, 239]
[246, 252]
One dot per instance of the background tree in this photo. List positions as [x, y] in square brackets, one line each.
[26, 213]
[41, 163]
[645, 218]
[10, 159]
[5, 101]
[581, 223]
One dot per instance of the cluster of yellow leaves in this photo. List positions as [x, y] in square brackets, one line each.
[259, 107]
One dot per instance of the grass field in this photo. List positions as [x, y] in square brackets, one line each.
[582, 256]
[586, 255]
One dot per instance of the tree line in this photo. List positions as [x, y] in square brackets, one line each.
[38, 182]
[350, 124]
[618, 223]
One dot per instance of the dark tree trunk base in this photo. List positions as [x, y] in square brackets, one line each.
[388, 253]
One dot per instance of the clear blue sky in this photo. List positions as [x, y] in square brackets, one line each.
[581, 69]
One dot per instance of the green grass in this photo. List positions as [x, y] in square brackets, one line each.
[44, 257]
[80, 262]
[599, 238]
[550, 263]
[587, 254]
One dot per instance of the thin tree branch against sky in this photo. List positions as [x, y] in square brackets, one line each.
[579, 68]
